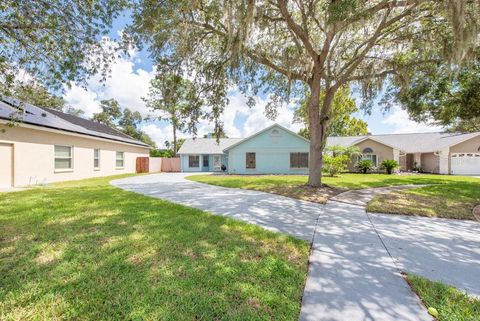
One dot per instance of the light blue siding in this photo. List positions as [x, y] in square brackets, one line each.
[186, 168]
[201, 168]
[272, 149]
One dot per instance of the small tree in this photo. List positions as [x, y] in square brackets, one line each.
[365, 166]
[178, 102]
[389, 165]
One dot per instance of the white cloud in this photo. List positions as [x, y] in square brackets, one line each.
[399, 122]
[126, 84]
[129, 85]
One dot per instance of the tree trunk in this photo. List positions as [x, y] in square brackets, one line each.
[174, 141]
[315, 156]
[318, 119]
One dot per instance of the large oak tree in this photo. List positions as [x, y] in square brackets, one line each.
[283, 47]
[54, 41]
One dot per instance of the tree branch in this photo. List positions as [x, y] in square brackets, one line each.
[297, 30]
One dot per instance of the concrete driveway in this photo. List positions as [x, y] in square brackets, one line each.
[356, 258]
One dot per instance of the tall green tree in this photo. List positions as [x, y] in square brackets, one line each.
[450, 98]
[286, 47]
[110, 114]
[126, 121]
[177, 101]
[34, 93]
[342, 123]
[54, 41]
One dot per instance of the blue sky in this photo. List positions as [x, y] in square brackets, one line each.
[129, 82]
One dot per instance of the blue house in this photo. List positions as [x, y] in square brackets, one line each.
[274, 150]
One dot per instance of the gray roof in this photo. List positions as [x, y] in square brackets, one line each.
[408, 143]
[206, 145]
[49, 118]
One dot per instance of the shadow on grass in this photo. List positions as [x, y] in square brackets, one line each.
[92, 251]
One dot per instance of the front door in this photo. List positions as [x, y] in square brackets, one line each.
[6, 165]
[205, 163]
[217, 162]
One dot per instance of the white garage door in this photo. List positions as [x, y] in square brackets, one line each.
[5, 165]
[466, 164]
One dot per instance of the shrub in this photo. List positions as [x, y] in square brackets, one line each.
[389, 165]
[334, 165]
[365, 166]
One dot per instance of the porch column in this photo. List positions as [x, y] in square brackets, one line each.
[444, 161]
[396, 155]
[417, 158]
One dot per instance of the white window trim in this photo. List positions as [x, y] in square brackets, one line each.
[123, 158]
[99, 159]
[64, 170]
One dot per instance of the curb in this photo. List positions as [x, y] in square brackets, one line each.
[476, 212]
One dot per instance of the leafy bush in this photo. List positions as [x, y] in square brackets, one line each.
[389, 165]
[334, 165]
[365, 166]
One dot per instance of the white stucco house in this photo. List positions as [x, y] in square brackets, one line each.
[46, 146]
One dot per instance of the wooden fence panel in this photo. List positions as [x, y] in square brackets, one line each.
[171, 164]
[142, 164]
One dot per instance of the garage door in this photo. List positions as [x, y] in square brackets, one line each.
[6, 165]
[466, 164]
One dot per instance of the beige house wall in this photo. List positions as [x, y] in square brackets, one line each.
[430, 163]
[33, 155]
[470, 146]
[383, 152]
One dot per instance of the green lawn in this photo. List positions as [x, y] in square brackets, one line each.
[450, 303]
[455, 199]
[88, 251]
[448, 196]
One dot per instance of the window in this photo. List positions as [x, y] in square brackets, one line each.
[63, 157]
[205, 161]
[96, 158]
[298, 160]
[368, 153]
[250, 160]
[371, 157]
[193, 161]
[120, 159]
[217, 161]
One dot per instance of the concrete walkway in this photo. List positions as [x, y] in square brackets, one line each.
[356, 257]
[361, 197]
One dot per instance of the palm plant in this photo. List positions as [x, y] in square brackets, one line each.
[365, 166]
[389, 165]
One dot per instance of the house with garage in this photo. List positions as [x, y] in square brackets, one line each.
[41, 145]
[439, 153]
[277, 150]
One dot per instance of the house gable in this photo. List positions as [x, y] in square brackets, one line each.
[471, 145]
[272, 150]
[274, 137]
